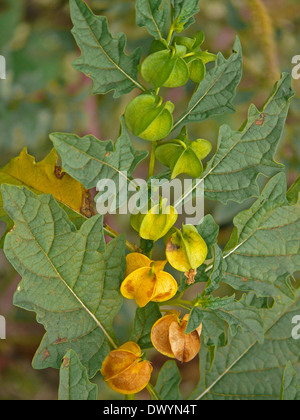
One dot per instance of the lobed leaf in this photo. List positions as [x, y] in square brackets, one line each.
[103, 58]
[242, 155]
[69, 277]
[184, 11]
[247, 370]
[217, 312]
[153, 14]
[215, 94]
[264, 248]
[90, 160]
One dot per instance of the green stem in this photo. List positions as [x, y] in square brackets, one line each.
[186, 304]
[152, 392]
[169, 39]
[130, 397]
[152, 160]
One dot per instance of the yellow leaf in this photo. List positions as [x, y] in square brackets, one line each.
[44, 177]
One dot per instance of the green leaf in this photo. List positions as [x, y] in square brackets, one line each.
[218, 311]
[153, 14]
[74, 384]
[216, 274]
[209, 230]
[215, 94]
[293, 192]
[242, 155]
[89, 160]
[184, 13]
[290, 386]
[195, 319]
[168, 381]
[267, 251]
[70, 278]
[247, 370]
[144, 320]
[103, 58]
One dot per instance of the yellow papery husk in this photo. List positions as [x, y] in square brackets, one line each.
[124, 371]
[169, 338]
[133, 380]
[160, 334]
[139, 286]
[144, 285]
[136, 260]
[186, 251]
[165, 288]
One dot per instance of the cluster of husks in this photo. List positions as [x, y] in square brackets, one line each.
[168, 66]
[151, 119]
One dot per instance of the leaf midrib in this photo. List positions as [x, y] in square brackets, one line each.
[243, 354]
[105, 53]
[64, 282]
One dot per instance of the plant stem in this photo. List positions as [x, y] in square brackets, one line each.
[186, 304]
[130, 397]
[108, 231]
[169, 39]
[152, 392]
[152, 160]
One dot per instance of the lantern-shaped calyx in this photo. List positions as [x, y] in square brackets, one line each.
[147, 117]
[166, 68]
[195, 58]
[169, 338]
[183, 156]
[124, 370]
[156, 223]
[186, 250]
[146, 281]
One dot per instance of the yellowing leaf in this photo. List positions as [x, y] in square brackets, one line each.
[43, 177]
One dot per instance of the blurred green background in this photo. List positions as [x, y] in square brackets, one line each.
[43, 94]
